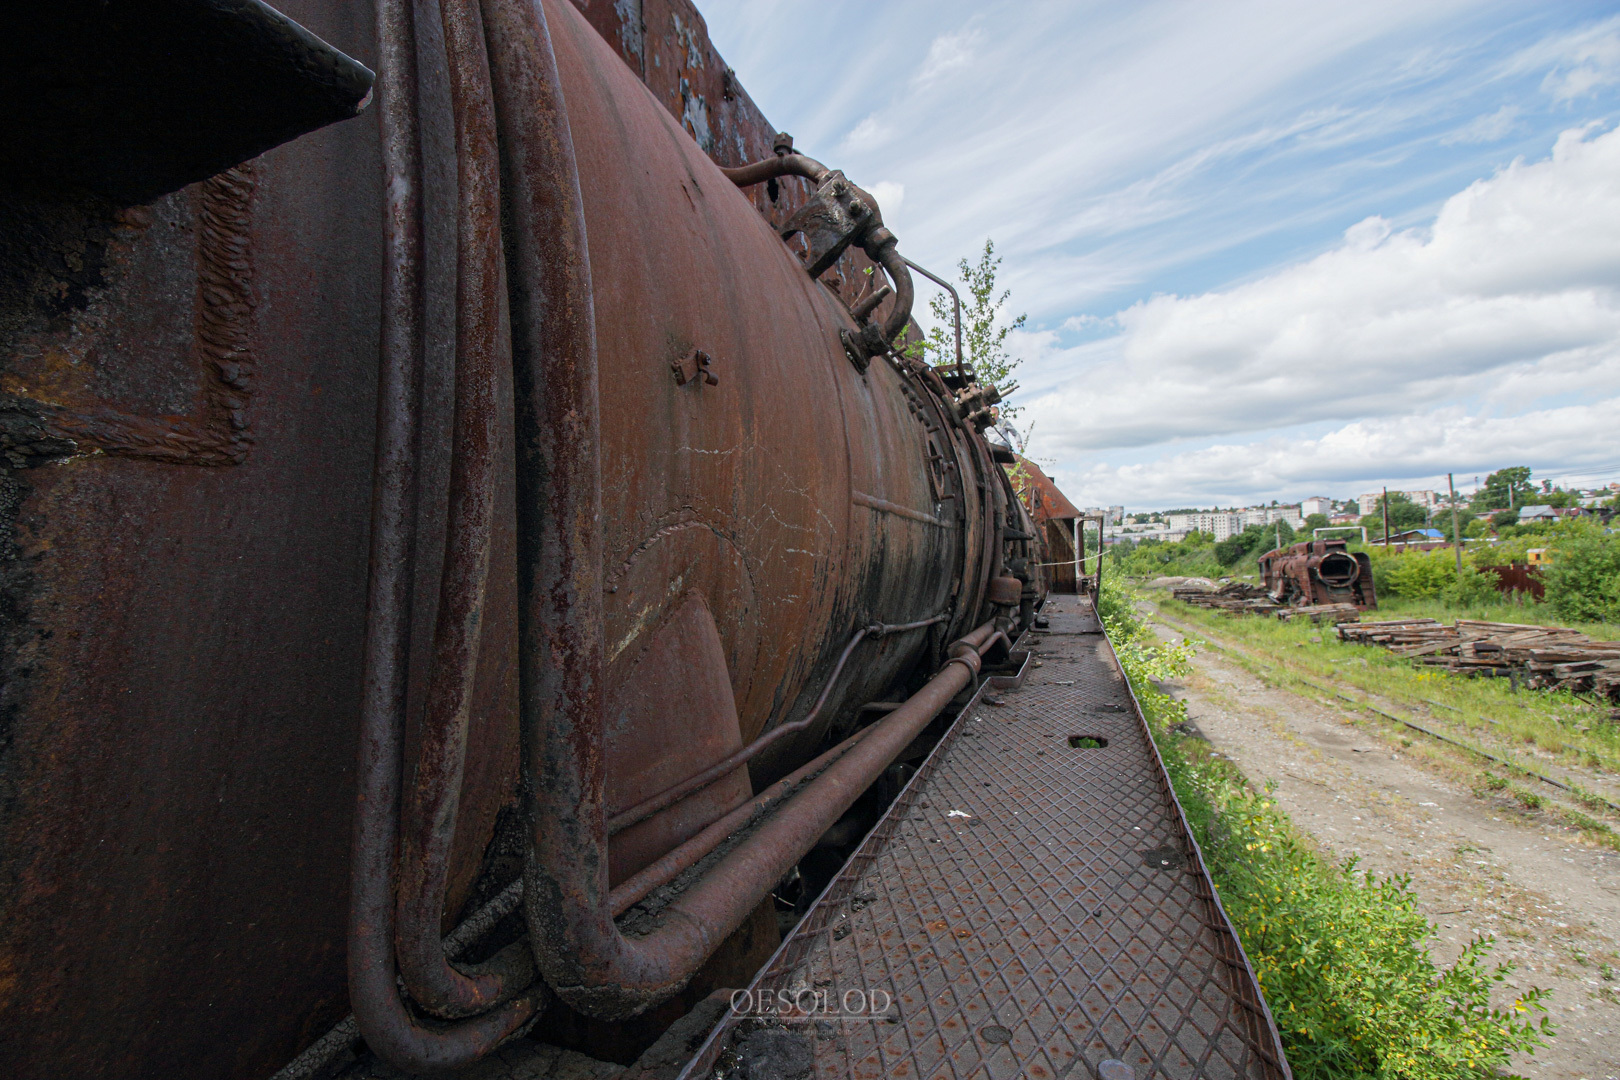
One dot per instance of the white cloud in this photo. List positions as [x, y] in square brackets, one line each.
[1587, 65]
[870, 132]
[1117, 152]
[1492, 127]
[1412, 451]
[1512, 295]
[947, 53]
[889, 196]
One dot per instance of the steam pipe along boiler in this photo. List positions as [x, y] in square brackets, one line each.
[495, 433]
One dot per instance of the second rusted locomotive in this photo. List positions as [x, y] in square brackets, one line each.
[1319, 572]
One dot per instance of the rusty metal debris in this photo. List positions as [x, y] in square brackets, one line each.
[1319, 572]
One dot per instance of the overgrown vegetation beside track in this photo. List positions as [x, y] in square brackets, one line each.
[1576, 731]
[1340, 954]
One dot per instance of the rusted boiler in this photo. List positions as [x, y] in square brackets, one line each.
[1319, 572]
[486, 514]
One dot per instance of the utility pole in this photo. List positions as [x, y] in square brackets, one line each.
[1456, 533]
[1386, 519]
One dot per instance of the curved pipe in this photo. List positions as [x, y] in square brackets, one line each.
[905, 293]
[675, 793]
[956, 300]
[433, 798]
[682, 858]
[389, 1029]
[758, 172]
[878, 242]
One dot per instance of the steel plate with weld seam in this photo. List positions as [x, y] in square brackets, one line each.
[1032, 905]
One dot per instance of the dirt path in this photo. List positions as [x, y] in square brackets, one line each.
[1480, 866]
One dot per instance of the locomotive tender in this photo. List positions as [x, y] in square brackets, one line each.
[451, 502]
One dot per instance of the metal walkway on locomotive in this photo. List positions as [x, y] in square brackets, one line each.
[1031, 905]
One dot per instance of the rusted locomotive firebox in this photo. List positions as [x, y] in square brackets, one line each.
[1319, 572]
[500, 433]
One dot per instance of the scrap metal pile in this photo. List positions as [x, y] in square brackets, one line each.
[1546, 657]
[1233, 596]
[1242, 599]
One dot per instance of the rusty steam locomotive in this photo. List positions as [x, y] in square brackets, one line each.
[470, 533]
[1319, 572]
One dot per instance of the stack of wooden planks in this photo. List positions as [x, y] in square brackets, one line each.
[1235, 596]
[1551, 657]
[1334, 613]
[1239, 598]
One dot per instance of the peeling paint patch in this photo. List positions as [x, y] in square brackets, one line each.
[632, 32]
[695, 117]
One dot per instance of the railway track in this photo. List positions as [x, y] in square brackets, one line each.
[1575, 794]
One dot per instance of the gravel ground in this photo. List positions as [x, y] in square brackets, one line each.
[1480, 866]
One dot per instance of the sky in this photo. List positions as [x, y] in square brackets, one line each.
[1267, 250]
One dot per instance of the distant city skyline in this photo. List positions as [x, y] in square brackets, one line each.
[1265, 249]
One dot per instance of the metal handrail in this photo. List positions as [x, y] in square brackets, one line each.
[956, 300]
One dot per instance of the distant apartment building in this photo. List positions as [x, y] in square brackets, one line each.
[1222, 524]
[1116, 515]
[1426, 499]
[1147, 530]
[1316, 504]
[1265, 515]
[1225, 523]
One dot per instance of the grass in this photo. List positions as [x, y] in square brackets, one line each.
[1531, 613]
[1573, 730]
[1341, 955]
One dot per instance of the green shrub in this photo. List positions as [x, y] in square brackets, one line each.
[1420, 575]
[1583, 578]
[1339, 953]
[1192, 557]
[1472, 588]
[1432, 575]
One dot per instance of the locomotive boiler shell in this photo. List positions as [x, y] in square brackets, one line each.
[184, 627]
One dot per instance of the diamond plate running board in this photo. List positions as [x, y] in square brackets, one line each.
[1025, 908]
